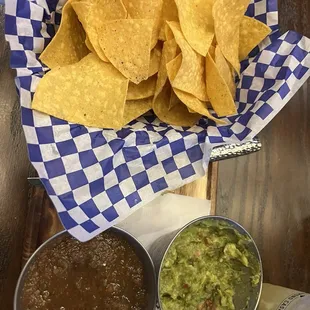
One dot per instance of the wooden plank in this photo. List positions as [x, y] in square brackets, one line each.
[197, 189]
[212, 188]
[35, 206]
[268, 192]
[13, 178]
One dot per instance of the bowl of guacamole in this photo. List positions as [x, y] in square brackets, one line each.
[211, 264]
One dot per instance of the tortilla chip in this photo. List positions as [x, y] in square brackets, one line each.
[93, 14]
[191, 75]
[197, 23]
[109, 10]
[225, 70]
[227, 19]
[174, 100]
[168, 53]
[169, 13]
[146, 9]
[143, 90]
[90, 92]
[127, 44]
[178, 115]
[196, 105]
[155, 60]
[168, 32]
[68, 45]
[212, 52]
[173, 67]
[136, 108]
[89, 45]
[252, 32]
[219, 94]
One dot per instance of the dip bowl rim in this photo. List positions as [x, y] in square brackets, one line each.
[131, 239]
[214, 217]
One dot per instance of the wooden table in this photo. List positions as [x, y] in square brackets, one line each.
[269, 192]
[14, 166]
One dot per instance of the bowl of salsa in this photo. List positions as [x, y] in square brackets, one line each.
[112, 271]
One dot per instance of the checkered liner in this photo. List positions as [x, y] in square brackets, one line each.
[97, 177]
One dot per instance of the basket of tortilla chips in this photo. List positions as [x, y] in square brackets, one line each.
[124, 99]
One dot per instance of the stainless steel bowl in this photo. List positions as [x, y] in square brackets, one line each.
[149, 271]
[161, 246]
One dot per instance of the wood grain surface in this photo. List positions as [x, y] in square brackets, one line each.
[13, 178]
[269, 192]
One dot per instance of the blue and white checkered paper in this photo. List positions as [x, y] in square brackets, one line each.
[97, 177]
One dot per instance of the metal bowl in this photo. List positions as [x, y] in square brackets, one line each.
[149, 271]
[161, 246]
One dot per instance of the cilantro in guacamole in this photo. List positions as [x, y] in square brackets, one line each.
[204, 266]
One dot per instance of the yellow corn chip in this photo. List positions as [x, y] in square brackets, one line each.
[127, 44]
[168, 53]
[155, 60]
[212, 52]
[219, 94]
[89, 45]
[173, 67]
[169, 13]
[174, 100]
[90, 92]
[196, 105]
[92, 14]
[178, 115]
[252, 32]
[136, 108]
[143, 90]
[168, 32]
[197, 23]
[146, 9]
[191, 75]
[108, 10]
[227, 19]
[225, 70]
[68, 45]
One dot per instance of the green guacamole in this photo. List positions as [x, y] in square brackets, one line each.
[205, 265]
